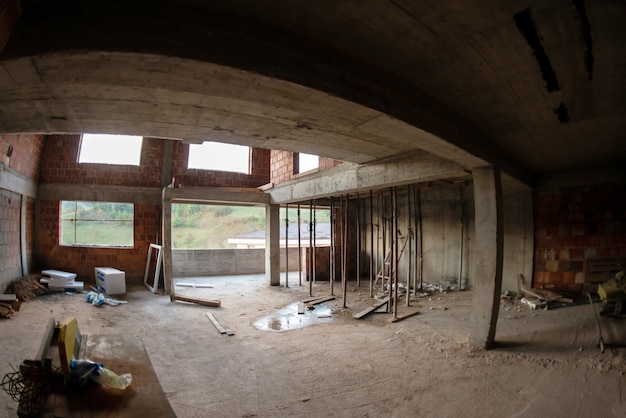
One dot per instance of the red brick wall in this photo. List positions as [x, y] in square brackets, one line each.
[259, 171]
[282, 166]
[83, 260]
[26, 153]
[10, 259]
[572, 224]
[60, 165]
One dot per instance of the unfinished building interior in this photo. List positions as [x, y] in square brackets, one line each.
[467, 151]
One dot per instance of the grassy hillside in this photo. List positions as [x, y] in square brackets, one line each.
[210, 226]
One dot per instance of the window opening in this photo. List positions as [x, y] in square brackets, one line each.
[110, 149]
[101, 224]
[220, 157]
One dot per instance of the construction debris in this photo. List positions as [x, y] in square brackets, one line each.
[223, 329]
[215, 303]
[27, 288]
[370, 309]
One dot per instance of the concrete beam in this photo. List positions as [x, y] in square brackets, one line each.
[100, 193]
[487, 256]
[15, 182]
[272, 244]
[417, 167]
[217, 195]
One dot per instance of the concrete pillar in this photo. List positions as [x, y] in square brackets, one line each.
[272, 244]
[487, 256]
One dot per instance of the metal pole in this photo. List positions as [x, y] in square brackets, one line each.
[287, 245]
[394, 220]
[409, 237]
[344, 277]
[331, 275]
[461, 241]
[314, 241]
[310, 269]
[358, 241]
[371, 244]
[420, 254]
[299, 249]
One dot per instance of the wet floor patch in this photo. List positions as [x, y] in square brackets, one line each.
[288, 318]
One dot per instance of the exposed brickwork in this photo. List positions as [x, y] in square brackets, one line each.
[10, 259]
[60, 165]
[259, 171]
[282, 166]
[572, 224]
[83, 260]
[25, 154]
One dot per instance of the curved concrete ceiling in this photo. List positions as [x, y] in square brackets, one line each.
[533, 87]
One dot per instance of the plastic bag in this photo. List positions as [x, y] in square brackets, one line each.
[96, 299]
[80, 370]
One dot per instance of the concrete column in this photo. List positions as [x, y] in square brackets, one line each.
[272, 244]
[487, 256]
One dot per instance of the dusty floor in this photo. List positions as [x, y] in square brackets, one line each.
[547, 363]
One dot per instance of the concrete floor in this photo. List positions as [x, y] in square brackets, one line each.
[547, 363]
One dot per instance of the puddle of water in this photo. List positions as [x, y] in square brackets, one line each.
[288, 318]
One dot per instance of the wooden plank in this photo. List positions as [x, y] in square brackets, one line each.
[322, 300]
[311, 299]
[370, 309]
[216, 303]
[45, 342]
[215, 322]
[403, 316]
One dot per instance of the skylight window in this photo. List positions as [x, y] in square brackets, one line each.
[220, 157]
[110, 149]
[307, 162]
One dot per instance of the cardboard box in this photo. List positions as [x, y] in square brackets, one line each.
[110, 281]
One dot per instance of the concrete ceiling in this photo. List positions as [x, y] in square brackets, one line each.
[534, 87]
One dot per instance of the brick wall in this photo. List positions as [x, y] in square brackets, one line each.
[83, 260]
[259, 171]
[572, 225]
[284, 165]
[60, 165]
[25, 155]
[10, 259]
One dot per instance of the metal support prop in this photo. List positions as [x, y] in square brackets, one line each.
[394, 221]
[358, 241]
[310, 269]
[461, 240]
[314, 241]
[299, 249]
[332, 247]
[287, 245]
[418, 209]
[344, 273]
[371, 244]
[409, 237]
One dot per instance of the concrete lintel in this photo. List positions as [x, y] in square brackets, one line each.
[100, 193]
[487, 256]
[15, 182]
[418, 167]
[217, 195]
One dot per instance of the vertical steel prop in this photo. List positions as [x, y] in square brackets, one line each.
[310, 267]
[314, 241]
[409, 237]
[358, 241]
[371, 244]
[344, 273]
[332, 247]
[299, 249]
[394, 222]
[287, 245]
